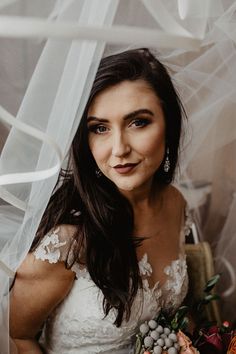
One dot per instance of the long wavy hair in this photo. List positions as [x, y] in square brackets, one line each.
[105, 224]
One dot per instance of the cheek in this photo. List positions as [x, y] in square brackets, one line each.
[154, 153]
[153, 145]
[98, 150]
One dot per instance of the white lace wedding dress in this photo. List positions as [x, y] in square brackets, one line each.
[78, 326]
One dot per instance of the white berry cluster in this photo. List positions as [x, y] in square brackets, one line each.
[158, 339]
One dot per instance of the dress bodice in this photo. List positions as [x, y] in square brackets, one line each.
[78, 325]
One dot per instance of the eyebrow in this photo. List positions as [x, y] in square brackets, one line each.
[126, 116]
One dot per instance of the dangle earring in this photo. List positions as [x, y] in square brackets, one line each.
[98, 173]
[167, 161]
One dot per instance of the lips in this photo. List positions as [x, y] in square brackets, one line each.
[126, 168]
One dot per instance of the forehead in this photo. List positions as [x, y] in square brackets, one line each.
[123, 98]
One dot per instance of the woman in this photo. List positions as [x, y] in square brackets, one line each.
[112, 255]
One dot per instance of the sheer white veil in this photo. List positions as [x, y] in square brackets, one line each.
[44, 87]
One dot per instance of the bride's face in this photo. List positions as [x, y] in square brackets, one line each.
[127, 134]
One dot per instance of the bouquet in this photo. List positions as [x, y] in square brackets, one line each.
[168, 334]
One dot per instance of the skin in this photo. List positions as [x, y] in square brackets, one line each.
[158, 213]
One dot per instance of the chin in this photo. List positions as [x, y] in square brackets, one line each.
[126, 188]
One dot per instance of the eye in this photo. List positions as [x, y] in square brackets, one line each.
[97, 129]
[140, 122]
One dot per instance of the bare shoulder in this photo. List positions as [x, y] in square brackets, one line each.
[174, 203]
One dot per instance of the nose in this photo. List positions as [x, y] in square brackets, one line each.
[120, 145]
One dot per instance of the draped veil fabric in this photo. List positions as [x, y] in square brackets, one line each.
[47, 68]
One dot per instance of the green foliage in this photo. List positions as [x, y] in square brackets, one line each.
[206, 300]
[177, 321]
[138, 344]
[199, 309]
[180, 321]
[211, 283]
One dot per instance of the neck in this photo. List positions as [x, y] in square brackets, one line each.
[143, 199]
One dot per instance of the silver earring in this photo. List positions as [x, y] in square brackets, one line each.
[98, 173]
[167, 161]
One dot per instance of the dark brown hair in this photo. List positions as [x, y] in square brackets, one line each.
[105, 225]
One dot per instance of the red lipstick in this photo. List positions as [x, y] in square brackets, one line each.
[126, 168]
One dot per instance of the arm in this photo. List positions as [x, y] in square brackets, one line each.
[39, 287]
[26, 347]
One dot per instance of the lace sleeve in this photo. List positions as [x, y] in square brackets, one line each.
[54, 246]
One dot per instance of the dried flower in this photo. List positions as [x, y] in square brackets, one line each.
[232, 346]
[186, 344]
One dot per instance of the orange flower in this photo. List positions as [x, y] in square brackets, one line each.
[185, 344]
[232, 346]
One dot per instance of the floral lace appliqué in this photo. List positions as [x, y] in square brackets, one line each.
[151, 295]
[171, 294]
[176, 273]
[81, 272]
[188, 222]
[176, 285]
[49, 248]
[144, 266]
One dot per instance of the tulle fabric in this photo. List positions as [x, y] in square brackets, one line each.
[45, 84]
[53, 102]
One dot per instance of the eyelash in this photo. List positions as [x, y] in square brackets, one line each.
[94, 128]
[143, 121]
